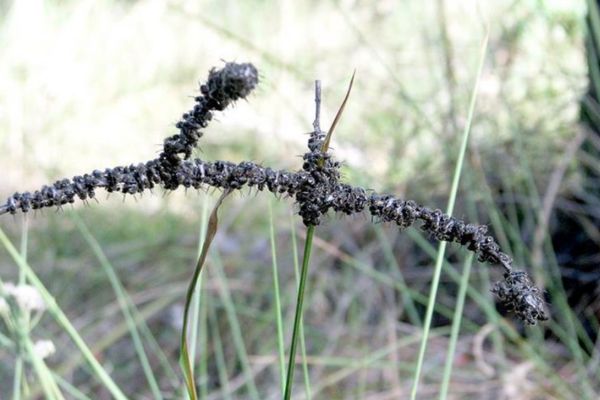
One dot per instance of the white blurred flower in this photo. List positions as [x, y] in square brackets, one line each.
[27, 296]
[44, 348]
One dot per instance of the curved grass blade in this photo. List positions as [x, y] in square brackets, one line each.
[186, 364]
[199, 313]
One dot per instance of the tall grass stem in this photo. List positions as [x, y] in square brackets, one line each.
[307, 386]
[298, 314]
[277, 296]
[451, 202]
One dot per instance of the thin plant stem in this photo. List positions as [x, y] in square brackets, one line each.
[456, 320]
[195, 308]
[310, 234]
[298, 315]
[24, 242]
[277, 296]
[198, 310]
[18, 373]
[451, 201]
[307, 386]
[17, 378]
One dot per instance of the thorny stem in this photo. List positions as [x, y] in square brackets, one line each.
[316, 188]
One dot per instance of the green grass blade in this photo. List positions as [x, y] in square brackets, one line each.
[277, 296]
[62, 320]
[17, 378]
[18, 373]
[450, 209]
[199, 312]
[195, 310]
[460, 302]
[24, 241]
[298, 314]
[124, 304]
[307, 386]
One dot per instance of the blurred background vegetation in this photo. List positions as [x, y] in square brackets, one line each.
[86, 85]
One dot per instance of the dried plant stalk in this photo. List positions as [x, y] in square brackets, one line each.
[316, 187]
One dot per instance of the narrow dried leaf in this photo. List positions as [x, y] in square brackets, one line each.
[338, 116]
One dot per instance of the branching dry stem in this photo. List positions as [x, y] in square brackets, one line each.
[316, 187]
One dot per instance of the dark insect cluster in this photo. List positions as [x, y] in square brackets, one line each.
[440, 226]
[518, 294]
[315, 187]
